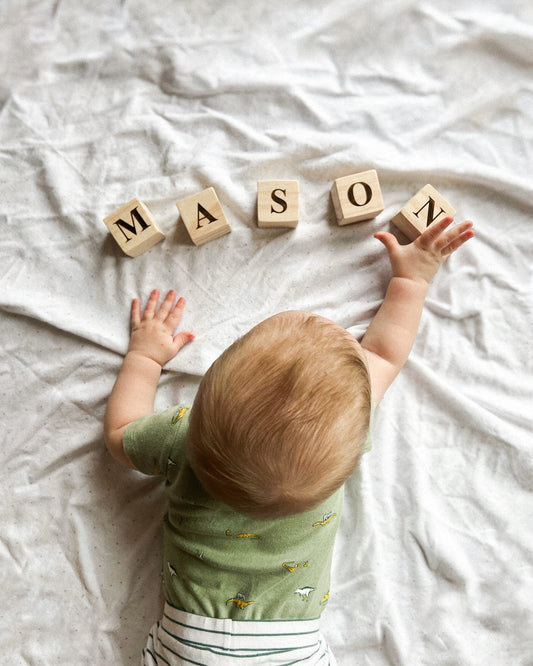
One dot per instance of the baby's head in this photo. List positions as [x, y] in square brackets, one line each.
[281, 417]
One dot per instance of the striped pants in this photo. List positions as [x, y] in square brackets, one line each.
[182, 638]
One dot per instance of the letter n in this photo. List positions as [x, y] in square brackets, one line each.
[430, 212]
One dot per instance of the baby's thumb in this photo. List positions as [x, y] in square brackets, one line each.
[183, 338]
[389, 241]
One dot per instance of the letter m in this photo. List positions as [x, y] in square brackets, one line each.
[125, 226]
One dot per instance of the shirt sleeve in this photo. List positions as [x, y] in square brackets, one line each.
[156, 442]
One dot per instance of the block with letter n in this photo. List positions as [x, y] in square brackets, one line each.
[426, 207]
[357, 197]
[203, 216]
[134, 228]
[277, 203]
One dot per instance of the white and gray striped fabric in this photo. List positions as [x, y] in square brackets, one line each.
[182, 638]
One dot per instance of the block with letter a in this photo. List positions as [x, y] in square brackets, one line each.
[357, 197]
[134, 228]
[425, 207]
[203, 216]
[277, 203]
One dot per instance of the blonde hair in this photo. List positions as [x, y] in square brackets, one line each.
[281, 416]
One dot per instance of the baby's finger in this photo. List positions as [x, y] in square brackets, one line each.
[460, 240]
[432, 233]
[149, 310]
[135, 312]
[166, 306]
[451, 235]
[182, 339]
[389, 241]
[174, 316]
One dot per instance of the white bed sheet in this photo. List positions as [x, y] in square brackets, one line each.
[102, 102]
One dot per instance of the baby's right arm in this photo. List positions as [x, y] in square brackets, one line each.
[152, 344]
[392, 332]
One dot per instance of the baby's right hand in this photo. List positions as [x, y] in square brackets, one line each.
[152, 334]
[421, 259]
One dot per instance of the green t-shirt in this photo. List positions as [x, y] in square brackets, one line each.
[220, 563]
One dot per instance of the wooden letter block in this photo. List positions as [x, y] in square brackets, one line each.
[134, 228]
[203, 216]
[425, 207]
[277, 203]
[357, 197]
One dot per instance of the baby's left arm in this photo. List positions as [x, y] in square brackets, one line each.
[392, 331]
[152, 344]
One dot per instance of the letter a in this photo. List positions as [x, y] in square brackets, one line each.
[205, 215]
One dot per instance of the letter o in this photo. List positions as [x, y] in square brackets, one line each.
[351, 196]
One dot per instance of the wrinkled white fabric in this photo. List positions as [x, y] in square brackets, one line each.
[103, 102]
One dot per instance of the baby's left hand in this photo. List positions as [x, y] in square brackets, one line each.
[421, 259]
[152, 335]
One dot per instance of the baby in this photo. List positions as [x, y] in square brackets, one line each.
[255, 469]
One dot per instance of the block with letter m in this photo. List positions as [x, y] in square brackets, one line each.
[134, 228]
